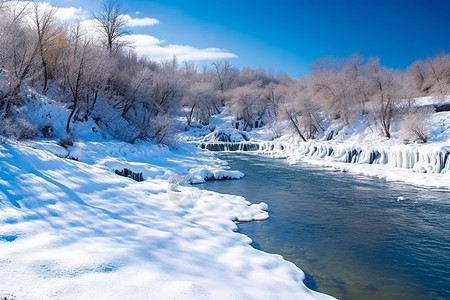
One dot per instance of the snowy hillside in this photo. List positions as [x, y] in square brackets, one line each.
[74, 229]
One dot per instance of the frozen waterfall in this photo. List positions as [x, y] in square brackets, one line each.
[418, 158]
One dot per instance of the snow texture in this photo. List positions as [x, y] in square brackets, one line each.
[202, 174]
[70, 228]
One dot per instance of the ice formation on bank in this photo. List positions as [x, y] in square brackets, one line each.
[419, 158]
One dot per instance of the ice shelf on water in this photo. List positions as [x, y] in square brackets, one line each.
[419, 158]
[397, 162]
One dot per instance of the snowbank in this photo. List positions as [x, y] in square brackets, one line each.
[75, 230]
[203, 174]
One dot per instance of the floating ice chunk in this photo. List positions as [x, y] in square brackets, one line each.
[263, 206]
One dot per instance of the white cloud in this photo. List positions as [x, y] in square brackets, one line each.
[139, 22]
[145, 45]
[91, 27]
[153, 48]
[72, 13]
[63, 13]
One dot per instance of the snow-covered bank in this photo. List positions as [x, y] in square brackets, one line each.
[74, 229]
[357, 147]
[427, 165]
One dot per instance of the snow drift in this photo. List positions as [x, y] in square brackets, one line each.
[75, 230]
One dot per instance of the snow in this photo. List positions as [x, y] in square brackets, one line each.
[419, 164]
[202, 174]
[360, 148]
[263, 206]
[72, 229]
[227, 135]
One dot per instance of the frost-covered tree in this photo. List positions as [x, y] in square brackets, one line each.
[248, 75]
[416, 74]
[341, 87]
[84, 74]
[387, 94]
[308, 109]
[248, 105]
[438, 78]
[413, 126]
[49, 37]
[432, 76]
[225, 74]
[201, 101]
[18, 52]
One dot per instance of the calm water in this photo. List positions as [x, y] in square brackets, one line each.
[349, 233]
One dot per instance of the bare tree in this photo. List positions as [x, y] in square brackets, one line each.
[48, 36]
[225, 74]
[247, 105]
[439, 74]
[200, 102]
[301, 110]
[248, 75]
[112, 25]
[164, 89]
[341, 86]
[281, 99]
[84, 74]
[413, 127]
[18, 51]
[417, 74]
[387, 94]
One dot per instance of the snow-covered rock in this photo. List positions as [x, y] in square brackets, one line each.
[227, 135]
[203, 174]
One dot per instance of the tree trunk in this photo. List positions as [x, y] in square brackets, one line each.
[295, 126]
[45, 85]
[70, 118]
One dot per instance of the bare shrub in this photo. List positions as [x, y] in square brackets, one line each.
[47, 131]
[19, 129]
[66, 141]
[413, 128]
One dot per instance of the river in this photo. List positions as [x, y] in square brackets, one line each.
[348, 233]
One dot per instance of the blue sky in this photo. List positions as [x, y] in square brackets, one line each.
[286, 36]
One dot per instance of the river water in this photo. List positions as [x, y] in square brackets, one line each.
[348, 233]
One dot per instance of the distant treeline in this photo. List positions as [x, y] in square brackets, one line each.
[137, 98]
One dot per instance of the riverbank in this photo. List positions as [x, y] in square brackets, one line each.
[357, 147]
[70, 227]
